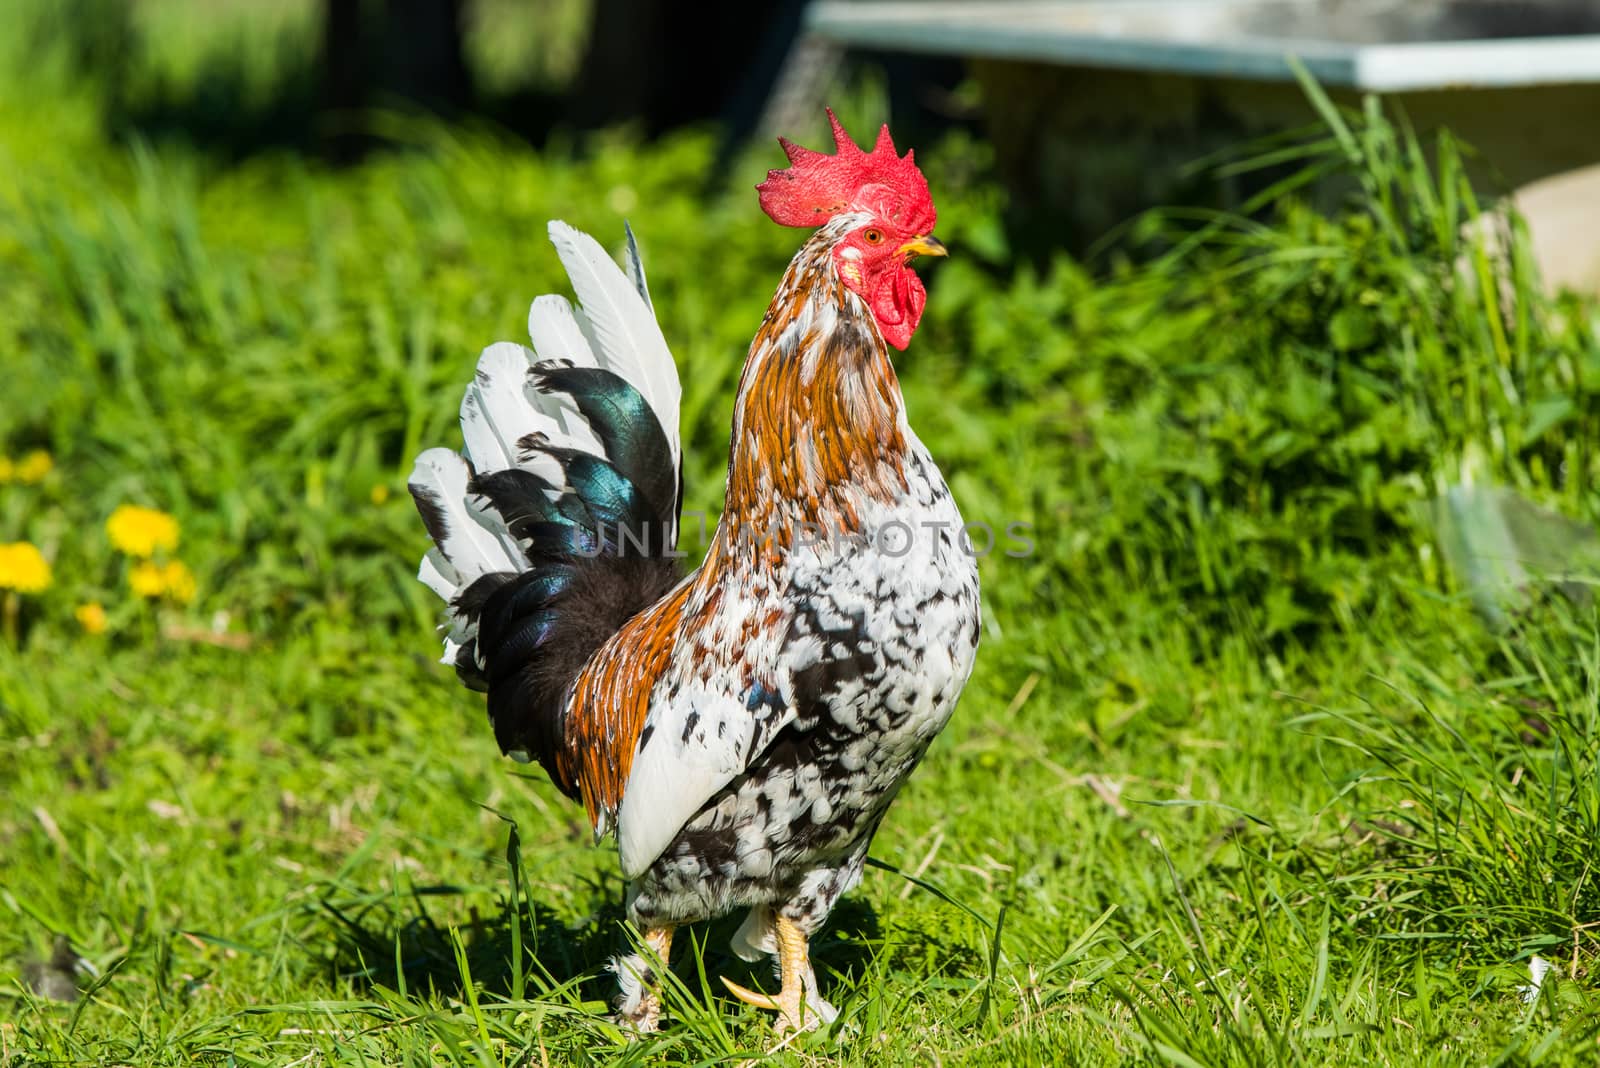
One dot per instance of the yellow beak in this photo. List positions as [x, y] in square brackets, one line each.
[926, 245]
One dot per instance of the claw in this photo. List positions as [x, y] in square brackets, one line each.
[750, 997]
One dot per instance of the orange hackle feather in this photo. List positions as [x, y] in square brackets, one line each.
[843, 415]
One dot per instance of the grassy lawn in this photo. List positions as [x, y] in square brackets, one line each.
[1242, 776]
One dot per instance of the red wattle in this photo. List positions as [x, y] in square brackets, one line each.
[897, 304]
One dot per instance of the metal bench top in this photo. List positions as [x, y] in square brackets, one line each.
[1371, 45]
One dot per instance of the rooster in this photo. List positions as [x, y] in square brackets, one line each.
[742, 729]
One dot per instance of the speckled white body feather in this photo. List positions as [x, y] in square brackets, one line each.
[909, 624]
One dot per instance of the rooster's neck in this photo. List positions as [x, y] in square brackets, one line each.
[819, 428]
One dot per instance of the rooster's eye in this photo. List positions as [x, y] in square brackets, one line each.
[873, 237]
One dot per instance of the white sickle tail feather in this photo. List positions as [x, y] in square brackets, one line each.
[567, 445]
[620, 325]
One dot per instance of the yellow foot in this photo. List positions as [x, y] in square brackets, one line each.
[798, 1009]
[798, 1005]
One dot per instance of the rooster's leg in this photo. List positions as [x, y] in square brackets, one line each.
[639, 1004]
[799, 1006]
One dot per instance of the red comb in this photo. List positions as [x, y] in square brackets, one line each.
[817, 186]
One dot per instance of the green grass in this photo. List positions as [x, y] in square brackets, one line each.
[1240, 777]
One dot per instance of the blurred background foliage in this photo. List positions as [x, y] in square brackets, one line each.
[253, 74]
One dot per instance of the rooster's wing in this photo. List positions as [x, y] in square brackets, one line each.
[691, 747]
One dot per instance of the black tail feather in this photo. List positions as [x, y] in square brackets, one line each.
[534, 653]
[626, 427]
[599, 550]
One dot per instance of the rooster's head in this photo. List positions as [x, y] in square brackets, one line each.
[891, 220]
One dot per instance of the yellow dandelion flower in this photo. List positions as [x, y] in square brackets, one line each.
[152, 580]
[141, 531]
[33, 467]
[92, 617]
[147, 579]
[380, 493]
[179, 581]
[23, 568]
[8, 470]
